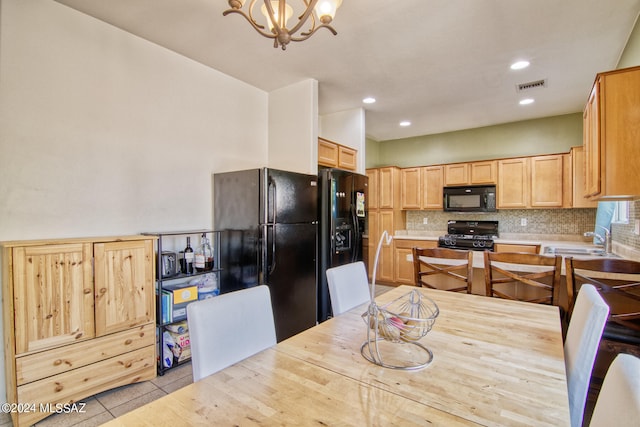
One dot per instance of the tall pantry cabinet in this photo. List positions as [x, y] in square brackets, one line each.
[78, 318]
[384, 214]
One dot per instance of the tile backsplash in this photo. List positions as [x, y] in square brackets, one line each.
[623, 233]
[538, 221]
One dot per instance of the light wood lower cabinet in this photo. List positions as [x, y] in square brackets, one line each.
[404, 258]
[509, 247]
[69, 332]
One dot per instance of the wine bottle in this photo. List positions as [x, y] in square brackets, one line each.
[204, 255]
[188, 258]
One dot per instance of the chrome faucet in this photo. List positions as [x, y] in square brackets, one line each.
[605, 241]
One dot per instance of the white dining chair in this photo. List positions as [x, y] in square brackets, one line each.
[348, 286]
[581, 345]
[228, 328]
[619, 398]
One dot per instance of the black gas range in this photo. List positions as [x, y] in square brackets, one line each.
[470, 235]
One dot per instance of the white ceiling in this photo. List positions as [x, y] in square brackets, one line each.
[442, 64]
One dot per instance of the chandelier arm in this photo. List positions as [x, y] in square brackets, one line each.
[313, 19]
[277, 29]
[304, 16]
[312, 32]
[257, 27]
[251, 5]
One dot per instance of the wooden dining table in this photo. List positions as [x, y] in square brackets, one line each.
[495, 362]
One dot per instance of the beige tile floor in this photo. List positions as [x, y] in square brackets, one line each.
[113, 403]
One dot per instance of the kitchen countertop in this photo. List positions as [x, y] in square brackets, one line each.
[559, 241]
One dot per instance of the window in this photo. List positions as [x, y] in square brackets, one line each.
[621, 213]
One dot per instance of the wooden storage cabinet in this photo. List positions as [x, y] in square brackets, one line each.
[611, 128]
[70, 334]
[334, 155]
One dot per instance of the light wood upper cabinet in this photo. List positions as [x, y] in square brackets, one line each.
[483, 172]
[346, 158]
[611, 128]
[474, 173]
[372, 194]
[123, 278]
[389, 188]
[547, 181]
[432, 183]
[411, 188]
[327, 153]
[578, 185]
[421, 187]
[456, 174]
[513, 183]
[534, 182]
[334, 155]
[53, 295]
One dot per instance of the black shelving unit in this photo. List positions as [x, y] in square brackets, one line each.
[169, 283]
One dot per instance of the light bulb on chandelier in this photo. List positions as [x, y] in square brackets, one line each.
[320, 13]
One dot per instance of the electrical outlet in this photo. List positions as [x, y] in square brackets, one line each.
[409, 257]
[425, 220]
[523, 222]
[636, 227]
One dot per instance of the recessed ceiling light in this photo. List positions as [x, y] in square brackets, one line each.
[405, 123]
[519, 65]
[526, 101]
[369, 100]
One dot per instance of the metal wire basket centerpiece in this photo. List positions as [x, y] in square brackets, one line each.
[404, 320]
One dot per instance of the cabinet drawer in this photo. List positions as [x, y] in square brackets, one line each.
[138, 365]
[45, 364]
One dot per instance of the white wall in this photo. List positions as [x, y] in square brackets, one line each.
[346, 128]
[293, 127]
[104, 133]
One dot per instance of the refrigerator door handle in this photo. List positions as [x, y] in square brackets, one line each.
[356, 231]
[274, 208]
[269, 265]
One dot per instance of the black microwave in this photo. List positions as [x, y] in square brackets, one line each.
[481, 198]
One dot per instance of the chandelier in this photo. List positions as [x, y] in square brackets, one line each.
[277, 12]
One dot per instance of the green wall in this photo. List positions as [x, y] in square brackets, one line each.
[631, 54]
[531, 137]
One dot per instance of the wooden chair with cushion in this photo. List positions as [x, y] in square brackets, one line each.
[618, 282]
[523, 277]
[443, 268]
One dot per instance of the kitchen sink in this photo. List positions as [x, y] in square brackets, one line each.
[553, 250]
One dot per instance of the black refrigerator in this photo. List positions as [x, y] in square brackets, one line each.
[342, 215]
[268, 223]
